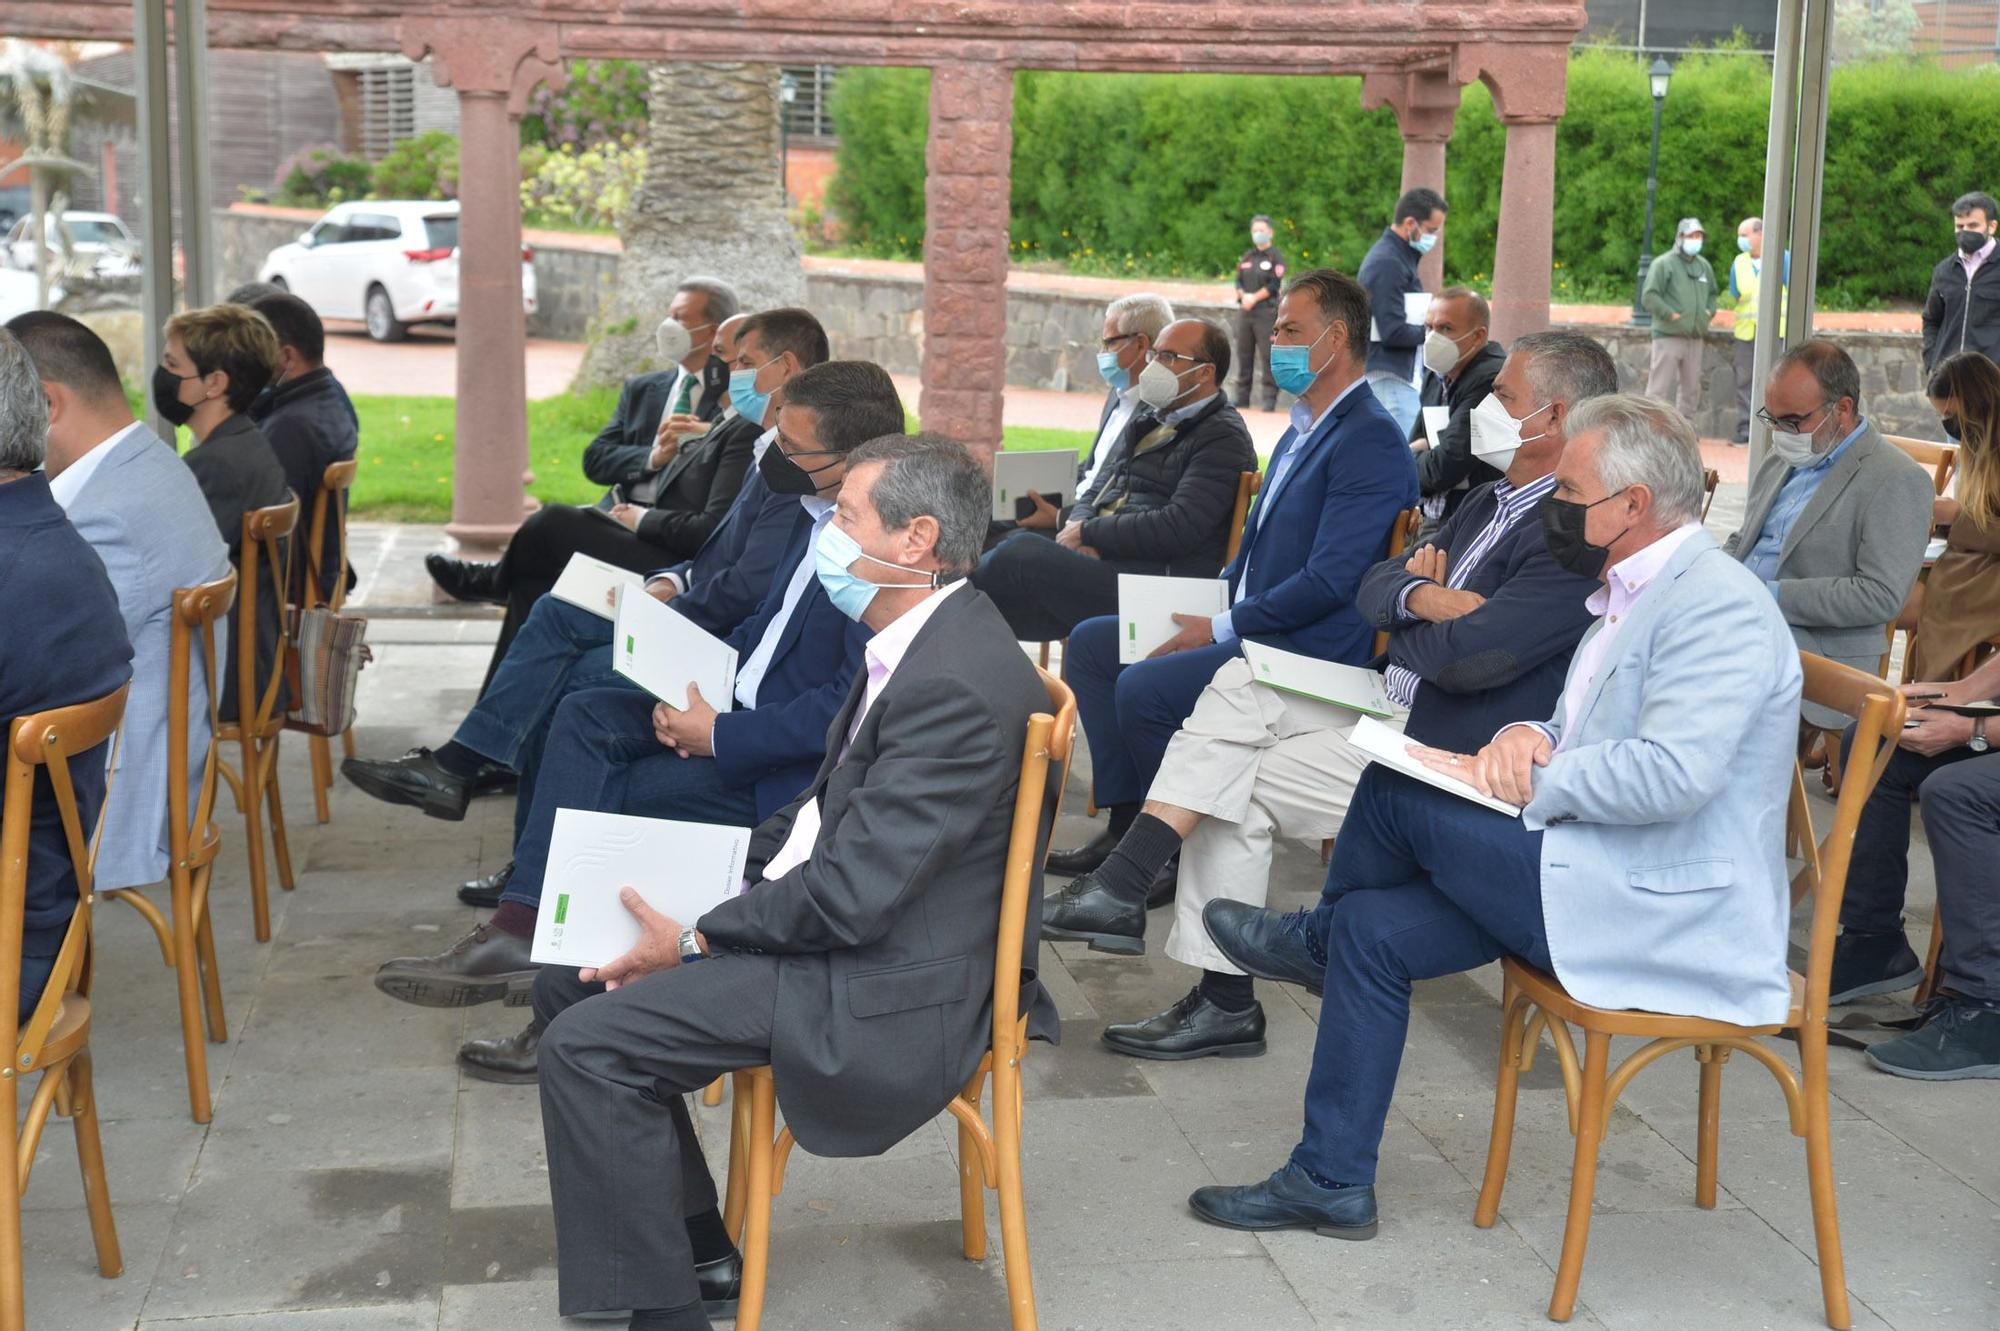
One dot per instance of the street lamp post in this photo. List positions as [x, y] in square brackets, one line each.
[1658, 74]
[788, 92]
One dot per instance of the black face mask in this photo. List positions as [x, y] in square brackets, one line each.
[1951, 427]
[1969, 242]
[166, 395]
[787, 477]
[1562, 532]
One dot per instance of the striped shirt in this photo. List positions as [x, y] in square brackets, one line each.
[1513, 506]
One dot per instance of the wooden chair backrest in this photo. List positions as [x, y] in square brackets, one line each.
[1710, 478]
[51, 740]
[196, 610]
[329, 505]
[1401, 532]
[1044, 769]
[1247, 486]
[1877, 710]
[263, 528]
[1940, 458]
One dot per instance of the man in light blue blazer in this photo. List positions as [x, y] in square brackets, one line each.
[138, 505]
[1647, 867]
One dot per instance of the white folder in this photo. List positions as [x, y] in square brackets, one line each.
[1416, 309]
[1050, 473]
[1147, 606]
[1386, 745]
[1435, 419]
[591, 584]
[1353, 687]
[663, 652]
[683, 870]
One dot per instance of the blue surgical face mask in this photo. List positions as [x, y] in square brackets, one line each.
[1290, 366]
[1425, 242]
[850, 594]
[1691, 245]
[743, 395]
[1114, 374]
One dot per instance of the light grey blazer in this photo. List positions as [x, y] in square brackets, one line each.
[1850, 559]
[1663, 861]
[143, 513]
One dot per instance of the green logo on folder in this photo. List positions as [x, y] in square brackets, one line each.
[1131, 631]
[629, 645]
[562, 906]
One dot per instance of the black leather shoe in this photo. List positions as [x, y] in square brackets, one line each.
[1088, 912]
[1161, 893]
[1084, 858]
[1290, 1200]
[495, 779]
[466, 579]
[1264, 943]
[416, 779]
[485, 892]
[721, 1284]
[505, 1058]
[484, 966]
[1865, 964]
[1191, 1028]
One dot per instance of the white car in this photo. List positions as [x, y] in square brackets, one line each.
[99, 241]
[388, 264]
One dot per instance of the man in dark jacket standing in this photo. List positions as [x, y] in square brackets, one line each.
[310, 423]
[1460, 360]
[1162, 503]
[1389, 272]
[1260, 276]
[1962, 311]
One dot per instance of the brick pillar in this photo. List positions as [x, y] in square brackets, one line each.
[1529, 85]
[1425, 104]
[493, 65]
[968, 160]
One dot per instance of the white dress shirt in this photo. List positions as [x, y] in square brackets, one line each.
[756, 456]
[752, 672]
[77, 474]
[1108, 437]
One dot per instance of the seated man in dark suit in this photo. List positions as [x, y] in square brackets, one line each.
[310, 423]
[879, 885]
[1336, 481]
[1460, 360]
[1162, 503]
[64, 643]
[616, 749]
[1481, 626]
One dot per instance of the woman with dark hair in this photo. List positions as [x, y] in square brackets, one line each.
[1958, 606]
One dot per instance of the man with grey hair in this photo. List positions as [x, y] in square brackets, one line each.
[1645, 868]
[1480, 626]
[64, 643]
[1680, 295]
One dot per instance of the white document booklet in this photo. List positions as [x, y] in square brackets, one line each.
[1386, 746]
[1050, 474]
[1147, 605]
[1435, 419]
[1416, 309]
[1353, 687]
[683, 870]
[591, 584]
[664, 652]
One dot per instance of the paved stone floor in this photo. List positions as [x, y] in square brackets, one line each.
[352, 1181]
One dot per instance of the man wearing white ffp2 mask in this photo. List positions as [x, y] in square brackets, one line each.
[1460, 360]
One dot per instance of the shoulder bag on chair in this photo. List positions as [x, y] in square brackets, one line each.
[324, 653]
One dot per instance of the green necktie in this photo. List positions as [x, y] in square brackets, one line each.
[686, 398]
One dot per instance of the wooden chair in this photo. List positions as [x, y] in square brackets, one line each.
[989, 1153]
[1247, 486]
[329, 505]
[1940, 458]
[55, 1040]
[187, 940]
[1710, 478]
[1533, 1002]
[258, 723]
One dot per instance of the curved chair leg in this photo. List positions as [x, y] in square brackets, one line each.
[251, 798]
[280, 847]
[1819, 1177]
[1583, 1176]
[322, 774]
[711, 1094]
[1013, 1201]
[187, 982]
[971, 1179]
[90, 1157]
[1506, 1095]
[13, 1314]
[211, 976]
[1708, 1130]
[739, 1160]
[756, 1246]
[1929, 984]
[347, 741]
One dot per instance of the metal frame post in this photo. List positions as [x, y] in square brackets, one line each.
[156, 214]
[1779, 162]
[191, 99]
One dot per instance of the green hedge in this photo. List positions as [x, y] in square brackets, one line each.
[1157, 174]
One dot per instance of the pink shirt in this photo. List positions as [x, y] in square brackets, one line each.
[1613, 603]
[1974, 259]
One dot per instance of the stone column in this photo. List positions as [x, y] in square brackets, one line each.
[1529, 86]
[966, 193]
[1425, 104]
[493, 65]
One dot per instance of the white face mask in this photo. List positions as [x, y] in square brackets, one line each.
[1496, 435]
[1692, 245]
[1158, 386]
[675, 340]
[1796, 448]
[1441, 353]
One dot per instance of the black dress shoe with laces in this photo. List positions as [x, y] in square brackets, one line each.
[721, 1282]
[1264, 943]
[1088, 912]
[485, 892]
[487, 965]
[509, 1059]
[416, 779]
[495, 779]
[1866, 964]
[1084, 858]
[1191, 1028]
[466, 579]
[1290, 1200]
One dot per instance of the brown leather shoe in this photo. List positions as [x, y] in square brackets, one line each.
[484, 966]
[506, 1058]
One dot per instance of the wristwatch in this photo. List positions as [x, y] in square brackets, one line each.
[691, 946]
[1978, 742]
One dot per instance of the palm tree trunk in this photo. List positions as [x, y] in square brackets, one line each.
[712, 205]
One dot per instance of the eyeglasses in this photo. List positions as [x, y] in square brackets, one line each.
[1183, 357]
[1111, 343]
[1791, 424]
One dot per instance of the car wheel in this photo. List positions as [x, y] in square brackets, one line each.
[383, 325]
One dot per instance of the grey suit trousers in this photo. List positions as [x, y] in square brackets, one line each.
[625, 1167]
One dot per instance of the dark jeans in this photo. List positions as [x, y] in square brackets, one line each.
[602, 755]
[35, 972]
[1044, 590]
[1253, 352]
[1423, 884]
[1130, 712]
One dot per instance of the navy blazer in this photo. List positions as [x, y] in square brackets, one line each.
[777, 745]
[1323, 528]
[729, 576]
[1505, 661]
[1389, 272]
[619, 454]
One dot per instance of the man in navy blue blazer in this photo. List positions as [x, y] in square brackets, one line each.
[617, 750]
[1336, 482]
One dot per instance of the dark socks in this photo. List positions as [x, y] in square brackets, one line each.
[459, 760]
[1142, 852]
[709, 1237]
[1317, 1179]
[1122, 816]
[514, 918]
[690, 1318]
[1231, 993]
